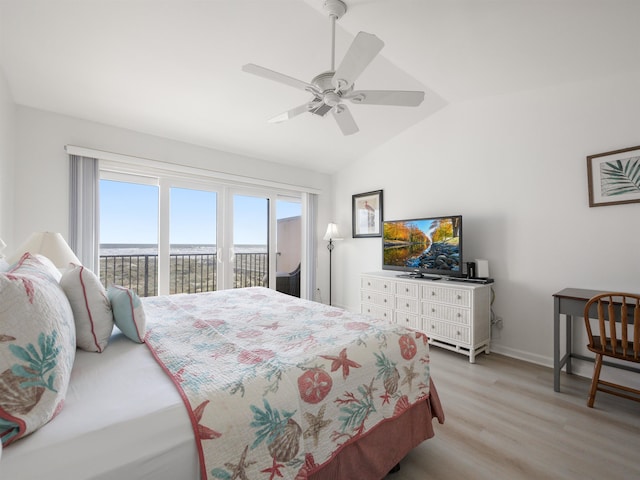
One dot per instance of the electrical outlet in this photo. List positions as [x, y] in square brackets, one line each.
[499, 323]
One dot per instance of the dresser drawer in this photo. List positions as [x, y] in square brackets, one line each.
[378, 284]
[445, 312]
[375, 311]
[448, 331]
[454, 296]
[377, 298]
[410, 305]
[408, 320]
[406, 289]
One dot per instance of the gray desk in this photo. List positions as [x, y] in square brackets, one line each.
[570, 302]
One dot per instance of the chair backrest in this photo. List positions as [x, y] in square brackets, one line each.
[618, 325]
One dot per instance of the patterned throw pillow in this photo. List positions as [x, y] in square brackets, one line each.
[37, 349]
[128, 312]
[91, 308]
[39, 263]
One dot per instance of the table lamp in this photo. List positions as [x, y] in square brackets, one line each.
[50, 245]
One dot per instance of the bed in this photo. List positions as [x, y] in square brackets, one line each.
[301, 391]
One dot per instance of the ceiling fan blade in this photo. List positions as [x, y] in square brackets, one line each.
[401, 98]
[345, 120]
[294, 112]
[278, 77]
[360, 54]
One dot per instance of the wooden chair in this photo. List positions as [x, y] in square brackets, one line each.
[616, 334]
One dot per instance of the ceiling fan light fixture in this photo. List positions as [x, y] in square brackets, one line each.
[331, 98]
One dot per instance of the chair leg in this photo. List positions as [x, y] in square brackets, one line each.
[594, 381]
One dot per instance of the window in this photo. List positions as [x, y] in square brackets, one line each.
[129, 235]
[163, 234]
[192, 237]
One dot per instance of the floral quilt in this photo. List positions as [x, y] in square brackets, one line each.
[275, 386]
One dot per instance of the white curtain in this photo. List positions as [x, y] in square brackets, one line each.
[84, 211]
[310, 234]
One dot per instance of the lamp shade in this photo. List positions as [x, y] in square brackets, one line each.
[49, 244]
[332, 232]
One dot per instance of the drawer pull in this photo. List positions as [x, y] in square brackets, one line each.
[459, 314]
[385, 300]
[433, 310]
[368, 284]
[458, 333]
[433, 294]
[459, 297]
[385, 286]
[406, 290]
[433, 327]
[368, 297]
[407, 305]
[384, 314]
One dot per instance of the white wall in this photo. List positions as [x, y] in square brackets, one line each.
[7, 156]
[42, 171]
[514, 166]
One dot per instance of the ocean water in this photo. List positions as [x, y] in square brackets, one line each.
[151, 249]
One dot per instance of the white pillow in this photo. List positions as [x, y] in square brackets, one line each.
[128, 312]
[37, 349]
[91, 308]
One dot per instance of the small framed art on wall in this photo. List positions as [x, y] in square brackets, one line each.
[367, 214]
[614, 177]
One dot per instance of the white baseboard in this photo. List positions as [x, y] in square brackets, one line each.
[522, 355]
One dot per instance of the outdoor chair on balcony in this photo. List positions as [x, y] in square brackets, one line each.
[289, 283]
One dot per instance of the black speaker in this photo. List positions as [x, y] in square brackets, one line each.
[471, 270]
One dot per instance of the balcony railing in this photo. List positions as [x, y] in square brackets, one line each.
[188, 273]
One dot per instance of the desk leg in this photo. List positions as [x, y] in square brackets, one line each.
[556, 344]
[569, 348]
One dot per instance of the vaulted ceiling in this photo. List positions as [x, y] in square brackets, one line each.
[172, 68]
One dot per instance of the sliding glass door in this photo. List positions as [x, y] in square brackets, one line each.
[249, 253]
[129, 233]
[166, 236]
[193, 265]
[288, 245]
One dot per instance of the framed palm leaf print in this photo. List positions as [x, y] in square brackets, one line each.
[614, 177]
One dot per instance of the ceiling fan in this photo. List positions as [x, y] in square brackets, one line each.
[331, 88]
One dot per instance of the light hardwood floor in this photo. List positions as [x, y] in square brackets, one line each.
[504, 421]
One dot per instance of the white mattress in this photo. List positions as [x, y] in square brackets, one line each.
[123, 419]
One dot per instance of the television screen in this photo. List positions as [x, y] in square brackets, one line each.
[423, 246]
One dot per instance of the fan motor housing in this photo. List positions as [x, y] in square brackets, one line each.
[330, 97]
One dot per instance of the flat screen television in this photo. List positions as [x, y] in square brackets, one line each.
[423, 247]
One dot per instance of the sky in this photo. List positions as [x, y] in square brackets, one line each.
[129, 214]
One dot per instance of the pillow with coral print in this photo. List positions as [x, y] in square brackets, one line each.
[37, 349]
[40, 263]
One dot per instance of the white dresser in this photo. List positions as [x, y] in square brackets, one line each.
[454, 315]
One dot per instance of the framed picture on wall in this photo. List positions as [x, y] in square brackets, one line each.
[614, 177]
[367, 214]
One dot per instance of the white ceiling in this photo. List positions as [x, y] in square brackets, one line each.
[172, 68]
